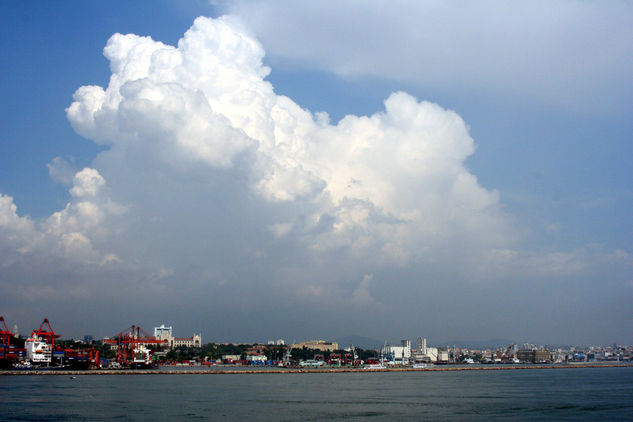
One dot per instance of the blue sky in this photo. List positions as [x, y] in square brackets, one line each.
[535, 101]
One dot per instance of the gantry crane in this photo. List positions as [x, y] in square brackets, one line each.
[48, 335]
[132, 346]
[77, 358]
[5, 334]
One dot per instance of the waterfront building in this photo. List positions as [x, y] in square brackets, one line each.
[231, 358]
[399, 354]
[421, 345]
[256, 349]
[165, 333]
[193, 341]
[324, 346]
[534, 355]
[442, 355]
[162, 332]
[428, 354]
[256, 358]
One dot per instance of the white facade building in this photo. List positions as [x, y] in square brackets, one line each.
[162, 332]
[165, 333]
[425, 353]
[257, 358]
[399, 354]
[193, 341]
[442, 355]
[421, 345]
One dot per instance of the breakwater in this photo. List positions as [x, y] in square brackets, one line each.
[296, 370]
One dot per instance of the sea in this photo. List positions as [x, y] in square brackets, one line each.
[579, 394]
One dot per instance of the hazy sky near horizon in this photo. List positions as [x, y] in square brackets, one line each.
[262, 170]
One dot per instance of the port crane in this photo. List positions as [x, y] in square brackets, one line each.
[46, 334]
[5, 334]
[131, 344]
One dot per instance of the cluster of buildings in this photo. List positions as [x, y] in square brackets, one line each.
[255, 353]
[405, 353]
[164, 337]
[323, 346]
[611, 353]
[165, 334]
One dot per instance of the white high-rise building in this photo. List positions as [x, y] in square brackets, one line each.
[421, 345]
[399, 354]
[162, 332]
[424, 353]
[165, 333]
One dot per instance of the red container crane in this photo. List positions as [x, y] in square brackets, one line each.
[5, 334]
[48, 335]
[129, 342]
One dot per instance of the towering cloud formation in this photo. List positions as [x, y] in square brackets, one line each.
[215, 191]
[210, 179]
[391, 184]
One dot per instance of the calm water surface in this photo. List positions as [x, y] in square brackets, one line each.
[560, 394]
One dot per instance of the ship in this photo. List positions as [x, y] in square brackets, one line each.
[40, 351]
[311, 363]
[375, 363]
[142, 358]
[134, 348]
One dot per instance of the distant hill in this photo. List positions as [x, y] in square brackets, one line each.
[479, 344]
[374, 344]
[358, 341]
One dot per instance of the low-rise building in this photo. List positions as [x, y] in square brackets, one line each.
[534, 355]
[324, 346]
[231, 358]
[257, 358]
[165, 333]
[429, 354]
[193, 341]
[442, 355]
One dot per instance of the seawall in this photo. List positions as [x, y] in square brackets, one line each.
[297, 370]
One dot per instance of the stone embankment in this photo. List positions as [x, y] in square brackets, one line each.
[296, 370]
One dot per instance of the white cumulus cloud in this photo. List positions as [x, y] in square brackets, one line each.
[215, 192]
[386, 183]
[69, 233]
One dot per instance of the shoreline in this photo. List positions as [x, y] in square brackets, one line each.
[35, 372]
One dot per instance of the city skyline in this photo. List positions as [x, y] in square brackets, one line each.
[256, 170]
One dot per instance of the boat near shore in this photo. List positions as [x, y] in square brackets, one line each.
[374, 366]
